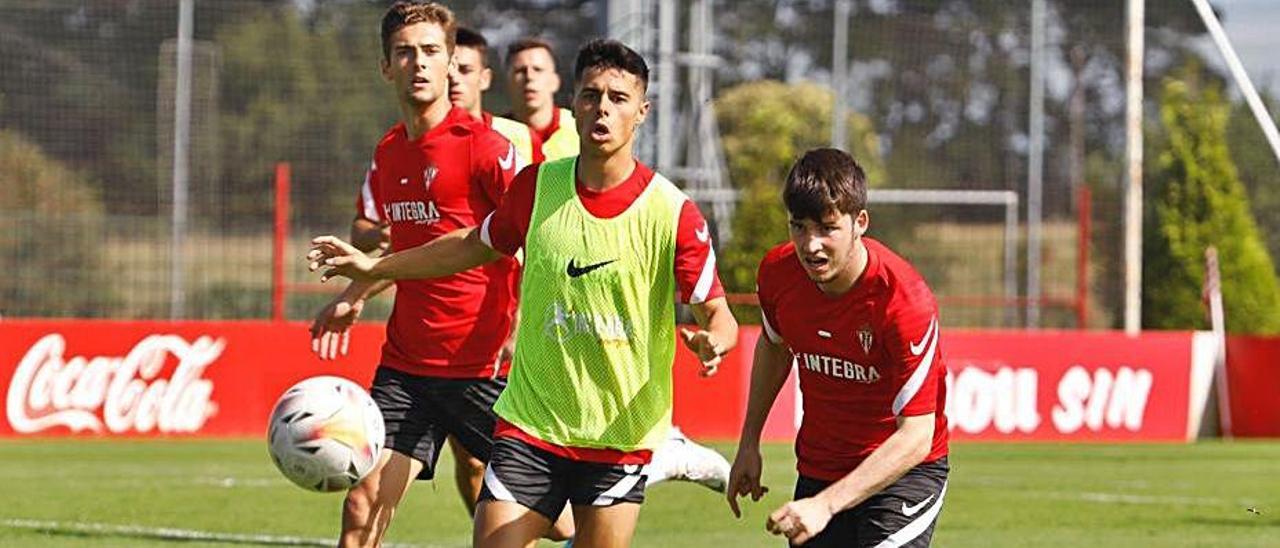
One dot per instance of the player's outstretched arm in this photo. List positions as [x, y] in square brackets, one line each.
[769, 368]
[331, 327]
[800, 520]
[717, 333]
[454, 252]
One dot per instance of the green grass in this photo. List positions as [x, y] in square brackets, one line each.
[999, 495]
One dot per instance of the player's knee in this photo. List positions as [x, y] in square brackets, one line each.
[358, 506]
[560, 531]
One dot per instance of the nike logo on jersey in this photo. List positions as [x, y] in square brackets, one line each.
[575, 271]
[703, 233]
[509, 161]
[911, 510]
[929, 334]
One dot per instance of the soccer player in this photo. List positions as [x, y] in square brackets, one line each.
[470, 78]
[533, 82]
[608, 244]
[436, 171]
[862, 326]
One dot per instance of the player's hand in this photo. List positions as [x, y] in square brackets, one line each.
[799, 520]
[331, 328]
[339, 258]
[744, 478]
[705, 346]
[384, 239]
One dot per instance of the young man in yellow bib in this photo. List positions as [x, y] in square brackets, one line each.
[532, 82]
[609, 245]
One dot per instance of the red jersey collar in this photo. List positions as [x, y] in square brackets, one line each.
[546, 132]
[455, 117]
[870, 276]
[640, 177]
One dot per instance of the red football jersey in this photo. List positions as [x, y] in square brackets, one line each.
[451, 177]
[864, 358]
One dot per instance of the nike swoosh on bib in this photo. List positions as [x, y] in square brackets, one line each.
[574, 270]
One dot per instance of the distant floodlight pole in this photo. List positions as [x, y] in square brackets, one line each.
[667, 88]
[1241, 77]
[181, 150]
[839, 72]
[1035, 162]
[1133, 169]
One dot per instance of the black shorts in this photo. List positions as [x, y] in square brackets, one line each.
[544, 482]
[904, 513]
[421, 411]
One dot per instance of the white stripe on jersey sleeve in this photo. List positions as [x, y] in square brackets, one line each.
[366, 197]
[921, 373]
[773, 335]
[705, 279]
[484, 230]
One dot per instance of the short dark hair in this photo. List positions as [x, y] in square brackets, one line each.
[467, 38]
[822, 181]
[611, 54]
[529, 43]
[411, 12]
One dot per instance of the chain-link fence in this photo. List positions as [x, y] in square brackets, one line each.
[937, 94]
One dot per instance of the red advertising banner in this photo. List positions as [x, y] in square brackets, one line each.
[1253, 373]
[221, 379]
[159, 378]
[1091, 386]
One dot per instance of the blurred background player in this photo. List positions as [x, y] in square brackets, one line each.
[440, 372]
[863, 327]
[590, 394]
[470, 78]
[532, 82]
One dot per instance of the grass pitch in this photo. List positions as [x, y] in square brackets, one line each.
[227, 493]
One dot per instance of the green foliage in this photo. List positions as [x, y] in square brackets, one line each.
[51, 214]
[1198, 201]
[305, 91]
[766, 126]
[1259, 170]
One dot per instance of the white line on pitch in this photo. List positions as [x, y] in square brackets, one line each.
[172, 533]
[1125, 498]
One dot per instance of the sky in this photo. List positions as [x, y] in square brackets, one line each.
[1252, 26]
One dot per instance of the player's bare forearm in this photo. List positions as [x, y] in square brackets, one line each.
[366, 235]
[906, 448]
[454, 252]
[769, 368]
[714, 317]
[365, 289]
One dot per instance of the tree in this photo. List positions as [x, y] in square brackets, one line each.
[766, 126]
[53, 215]
[1258, 168]
[1198, 201]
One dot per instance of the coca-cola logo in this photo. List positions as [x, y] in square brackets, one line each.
[112, 393]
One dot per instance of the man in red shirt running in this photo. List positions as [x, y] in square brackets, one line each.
[437, 171]
[862, 327]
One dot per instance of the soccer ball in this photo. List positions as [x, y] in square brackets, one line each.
[325, 434]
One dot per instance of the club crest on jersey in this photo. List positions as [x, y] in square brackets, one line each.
[429, 176]
[864, 337]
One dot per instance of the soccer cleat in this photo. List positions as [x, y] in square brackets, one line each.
[680, 458]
